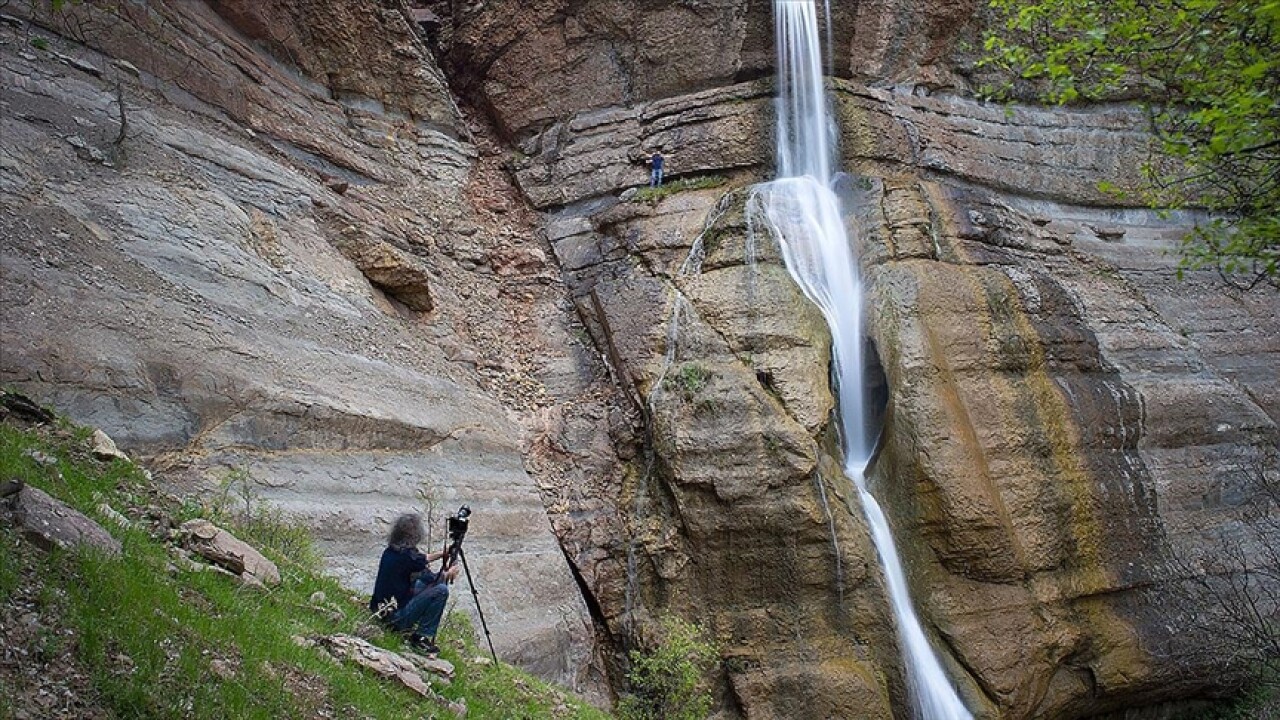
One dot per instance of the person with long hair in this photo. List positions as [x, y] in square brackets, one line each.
[407, 595]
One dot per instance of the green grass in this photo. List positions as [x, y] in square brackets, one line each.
[703, 182]
[689, 380]
[163, 642]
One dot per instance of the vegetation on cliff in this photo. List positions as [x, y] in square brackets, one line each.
[1209, 71]
[667, 683]
[142, 635]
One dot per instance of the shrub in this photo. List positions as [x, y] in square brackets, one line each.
[666, 683]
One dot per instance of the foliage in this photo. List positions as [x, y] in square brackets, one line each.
[652, 195]
[238, 506]
[159, 642]
[1209, 72]
[1260, 702]
[690, 380]
[666, 684]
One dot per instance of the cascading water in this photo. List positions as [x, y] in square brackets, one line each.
[804, 215]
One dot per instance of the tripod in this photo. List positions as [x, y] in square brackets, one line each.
[454, 554]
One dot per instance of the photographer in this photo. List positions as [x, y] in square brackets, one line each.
[404, 576]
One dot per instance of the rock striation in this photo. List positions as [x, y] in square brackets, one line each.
[1065, 424]
[279, 253]
[257, 246]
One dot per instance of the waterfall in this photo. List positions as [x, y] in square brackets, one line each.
[804, 216]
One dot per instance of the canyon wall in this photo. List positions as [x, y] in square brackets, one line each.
[304, 262]
[262, 250]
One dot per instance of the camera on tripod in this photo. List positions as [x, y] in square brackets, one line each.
[456, 525]
[456, 528]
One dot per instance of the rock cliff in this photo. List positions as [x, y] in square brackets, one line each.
[301, 261]
[262, 249]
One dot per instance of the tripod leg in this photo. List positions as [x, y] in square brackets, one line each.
[476, 596]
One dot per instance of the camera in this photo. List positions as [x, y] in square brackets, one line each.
[457, 524]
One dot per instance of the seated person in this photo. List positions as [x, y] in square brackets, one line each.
[404, 576]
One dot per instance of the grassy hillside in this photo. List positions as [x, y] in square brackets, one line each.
[143, 636]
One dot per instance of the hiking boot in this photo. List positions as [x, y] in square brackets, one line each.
[423, 644]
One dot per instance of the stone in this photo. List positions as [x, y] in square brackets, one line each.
[389, 665]
[39, 457]
[393, 270]
[227, 551]
[104, 448]
[25, 408]
[114, 516]
[50, 523]
[442, 669]
[1064, 420]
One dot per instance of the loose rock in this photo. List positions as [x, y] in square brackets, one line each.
[229, 552]
[50, 523]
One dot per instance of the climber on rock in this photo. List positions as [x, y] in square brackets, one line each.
[656, 161]
[407, 595]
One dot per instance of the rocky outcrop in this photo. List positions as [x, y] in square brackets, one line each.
[1056, 438]
[1041, 455]
[534, 64]
[303, 289]
[300, 268]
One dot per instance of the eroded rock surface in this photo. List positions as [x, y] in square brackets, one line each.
[1059, 440]
[304, 264]
[291, 278]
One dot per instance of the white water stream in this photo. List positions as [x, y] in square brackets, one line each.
[803, 214]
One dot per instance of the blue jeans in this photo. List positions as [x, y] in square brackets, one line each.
[423, 610]
[655, 177]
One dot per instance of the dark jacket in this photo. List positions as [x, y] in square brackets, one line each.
[395, 576]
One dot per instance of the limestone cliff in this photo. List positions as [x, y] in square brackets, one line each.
[304, 261]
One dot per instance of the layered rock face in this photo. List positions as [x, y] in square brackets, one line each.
[318, 277]
[1069, 436]
[259, 247]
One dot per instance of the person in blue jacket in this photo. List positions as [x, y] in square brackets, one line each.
[407, 595]
[655, 169]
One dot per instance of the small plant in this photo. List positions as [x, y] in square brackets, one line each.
[652, 195]
[40, 43]
[689, 381]
[238, 505]
[667, 682]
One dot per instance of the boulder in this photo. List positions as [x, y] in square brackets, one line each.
[104, 448]
[51, 523]
[227, 551]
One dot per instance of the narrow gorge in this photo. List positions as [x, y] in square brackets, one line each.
[361, 258]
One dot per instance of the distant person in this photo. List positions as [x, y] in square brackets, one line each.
[655, 170]
[404, 577]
